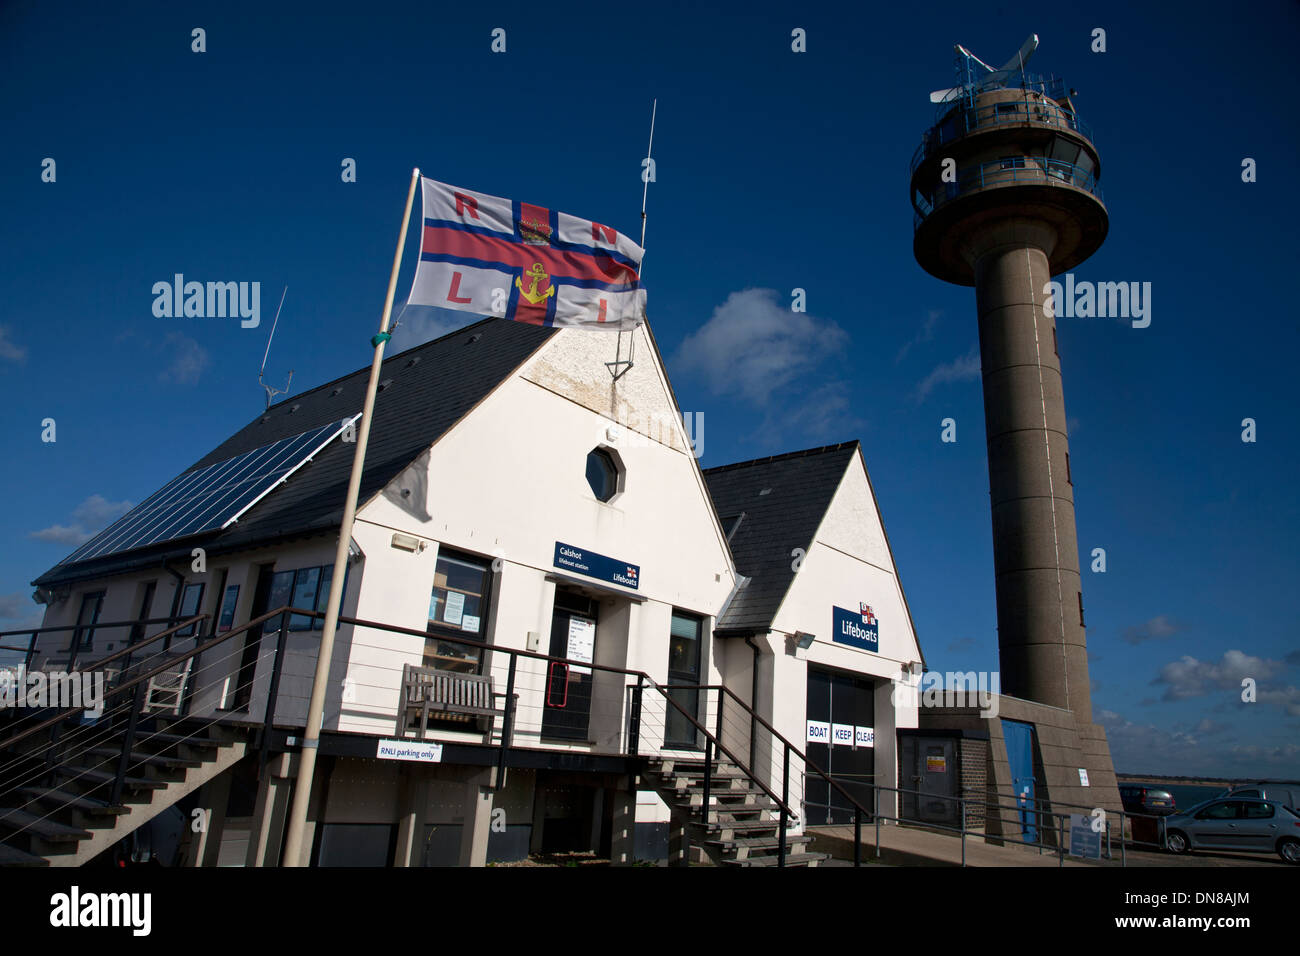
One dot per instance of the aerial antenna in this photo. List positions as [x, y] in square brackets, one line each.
[272, 392]
[990, 77]
[621, 366]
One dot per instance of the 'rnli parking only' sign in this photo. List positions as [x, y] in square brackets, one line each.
[858, 629]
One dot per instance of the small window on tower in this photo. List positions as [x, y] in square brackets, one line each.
[1067, 468]
[1055, 350]
[1013, 162]
[1080, 593]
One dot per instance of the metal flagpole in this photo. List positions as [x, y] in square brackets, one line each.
[618, 348]
[315, 710]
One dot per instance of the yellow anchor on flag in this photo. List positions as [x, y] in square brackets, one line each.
[537, 274]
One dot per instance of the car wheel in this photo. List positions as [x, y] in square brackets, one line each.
[1176, 842]
[1289, 850]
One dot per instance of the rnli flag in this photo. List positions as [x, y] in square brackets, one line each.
[483, 254]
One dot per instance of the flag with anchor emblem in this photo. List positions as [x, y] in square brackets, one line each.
[492, 256]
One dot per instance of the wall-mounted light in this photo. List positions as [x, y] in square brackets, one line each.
[798, 641]
[408, 542]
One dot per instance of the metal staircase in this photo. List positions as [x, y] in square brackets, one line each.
[742, 826]
[67, 815]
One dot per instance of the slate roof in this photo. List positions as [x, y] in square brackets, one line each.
[430, 388]
[800, 486]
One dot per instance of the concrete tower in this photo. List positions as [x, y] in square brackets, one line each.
[1005, 188]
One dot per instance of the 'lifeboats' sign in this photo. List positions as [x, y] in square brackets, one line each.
[858, 629]
[596, 566]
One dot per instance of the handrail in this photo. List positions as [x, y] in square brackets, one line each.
[1034, 170]
[98, 625]
[97, 663]
[961, 125]
[779, 736]
[715, 741]
[513, 652]
[154, 672]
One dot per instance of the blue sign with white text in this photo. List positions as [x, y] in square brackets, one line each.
[596, 566]
[858, 629]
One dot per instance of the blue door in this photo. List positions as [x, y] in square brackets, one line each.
[1020, 755]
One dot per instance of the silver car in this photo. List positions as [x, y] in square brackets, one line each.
[1236, 823]
[1287, 794]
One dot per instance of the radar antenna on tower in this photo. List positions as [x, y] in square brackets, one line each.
[976, 75]
[270, 391]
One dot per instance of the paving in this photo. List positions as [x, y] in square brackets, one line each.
[914, 846]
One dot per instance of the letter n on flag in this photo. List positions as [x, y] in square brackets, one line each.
[492, 256]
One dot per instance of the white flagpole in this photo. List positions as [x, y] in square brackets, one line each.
[649, 153]
[618, 345]
[315, 710]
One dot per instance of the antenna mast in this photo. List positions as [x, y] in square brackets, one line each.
[621, 365]
[272, 392]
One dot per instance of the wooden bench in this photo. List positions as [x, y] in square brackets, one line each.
[447, 695]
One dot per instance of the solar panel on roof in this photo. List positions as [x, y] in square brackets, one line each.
[209, 498]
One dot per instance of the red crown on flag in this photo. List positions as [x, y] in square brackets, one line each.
[534, 232]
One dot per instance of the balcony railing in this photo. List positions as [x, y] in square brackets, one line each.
[962, 121]
[1035, 170]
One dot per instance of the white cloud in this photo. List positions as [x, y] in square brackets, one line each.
[15, 605]
[1160, 626]
[961, 369]
[188, 360]
[753, 345]
[1188, 677]
[1288, 699]
[88, 518]
[926, 334]
[9, 350]
[818, 416]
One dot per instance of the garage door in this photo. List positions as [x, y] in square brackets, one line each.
[840, 739]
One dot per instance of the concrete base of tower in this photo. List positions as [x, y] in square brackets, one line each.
[1060, 746]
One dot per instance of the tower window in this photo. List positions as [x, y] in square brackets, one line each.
[1067, 468]
[1013, 162]
[1080, 593]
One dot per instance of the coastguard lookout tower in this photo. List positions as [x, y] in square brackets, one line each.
[1005, 188]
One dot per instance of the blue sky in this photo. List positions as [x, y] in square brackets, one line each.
[774, 171]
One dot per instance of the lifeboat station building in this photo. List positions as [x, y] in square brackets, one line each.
[558, 632]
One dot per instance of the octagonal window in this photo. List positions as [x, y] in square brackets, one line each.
[602, 474]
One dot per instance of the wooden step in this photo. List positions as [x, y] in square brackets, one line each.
[12, 856]
[165, 741]
[791, 859]
[139, 759]
[64, 799]
[41, 826]
[759, 843]
[97, 778]
[714, 825]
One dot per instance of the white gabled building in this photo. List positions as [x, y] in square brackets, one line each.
[524, 519]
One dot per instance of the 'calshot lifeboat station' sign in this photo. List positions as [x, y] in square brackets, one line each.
[858, 629]
[596, 566]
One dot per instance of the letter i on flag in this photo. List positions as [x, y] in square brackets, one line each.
[492, 256]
